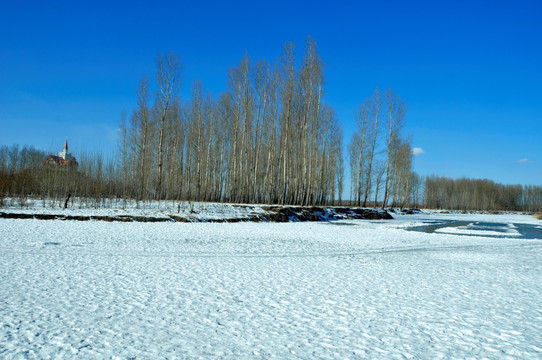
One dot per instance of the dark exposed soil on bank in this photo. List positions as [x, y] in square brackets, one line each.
[271, 214]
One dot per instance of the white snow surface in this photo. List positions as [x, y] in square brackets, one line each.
[349, 289]
[113, 208]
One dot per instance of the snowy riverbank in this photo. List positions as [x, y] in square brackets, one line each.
[171, 211]
[346, 289]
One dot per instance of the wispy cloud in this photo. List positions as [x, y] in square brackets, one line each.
[417, 151]
[521, 161]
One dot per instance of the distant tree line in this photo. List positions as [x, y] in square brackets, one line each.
[482, 195]
[23, 176]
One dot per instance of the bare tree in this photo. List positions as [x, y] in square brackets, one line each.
[168, 79]
[395, 112]
[380, 169]
[123, 155]
[402, 174]
[288, 102]
[141, 138]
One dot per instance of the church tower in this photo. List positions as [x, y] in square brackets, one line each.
[64, 154]
[64, 159]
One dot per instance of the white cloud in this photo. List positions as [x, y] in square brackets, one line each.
[521, 161]
[417, 151]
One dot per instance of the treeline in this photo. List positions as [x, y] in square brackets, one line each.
[269, 138]
[380, 158]
[481, 195]
[24, 177]
[18, 172]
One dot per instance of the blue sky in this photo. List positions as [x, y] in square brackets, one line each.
[470, 72]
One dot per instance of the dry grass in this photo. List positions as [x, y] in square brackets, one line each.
[538, 216]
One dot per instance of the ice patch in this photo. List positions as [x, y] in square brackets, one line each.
[468, 231]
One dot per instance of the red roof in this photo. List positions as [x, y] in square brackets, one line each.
[57, 160]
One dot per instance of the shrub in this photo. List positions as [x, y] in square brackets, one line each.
[538, 216]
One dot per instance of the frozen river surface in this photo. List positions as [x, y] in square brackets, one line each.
[257, 290]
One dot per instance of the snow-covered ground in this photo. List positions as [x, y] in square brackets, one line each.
[349, 289]
[115, 208]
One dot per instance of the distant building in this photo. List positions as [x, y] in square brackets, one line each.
[64, 159]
